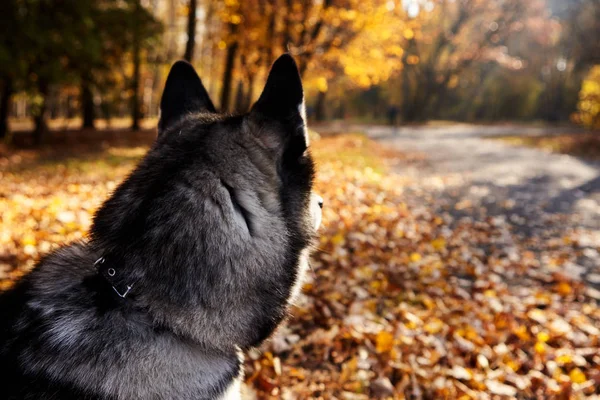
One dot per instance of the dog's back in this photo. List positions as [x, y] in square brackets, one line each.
[193, 259]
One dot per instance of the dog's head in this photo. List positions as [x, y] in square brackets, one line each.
[213, 226]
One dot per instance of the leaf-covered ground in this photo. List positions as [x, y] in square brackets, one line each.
[401, 302]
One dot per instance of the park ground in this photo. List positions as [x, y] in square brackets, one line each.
[455, 261]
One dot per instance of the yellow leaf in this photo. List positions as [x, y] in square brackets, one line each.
[376, 285]
[577, 376]
[540, 348]
[564, 288]
[434, 326]
[415, 257]
[428, 303]
[564, 359]
[384, 342]
[439, 244]
[28, 239]
[522, 333]
[337, 239]
[513, 365]
[543, 337]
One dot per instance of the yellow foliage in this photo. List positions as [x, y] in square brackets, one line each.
[322, 84]
[375, 53]
[588, 113]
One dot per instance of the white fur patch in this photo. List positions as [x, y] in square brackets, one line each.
[234, 392]
[302, 268]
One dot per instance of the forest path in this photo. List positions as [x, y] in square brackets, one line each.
[539, 195]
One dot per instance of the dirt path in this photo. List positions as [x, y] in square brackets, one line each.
[539, 195]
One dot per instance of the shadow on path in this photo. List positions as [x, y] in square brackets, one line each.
[542, 196]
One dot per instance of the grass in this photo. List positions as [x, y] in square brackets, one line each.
[585, 145]
[353, 150]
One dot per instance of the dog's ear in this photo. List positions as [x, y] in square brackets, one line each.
[282, 101]
[283, 95]
[184, 93]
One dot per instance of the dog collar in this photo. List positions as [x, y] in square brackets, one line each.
[110, 274]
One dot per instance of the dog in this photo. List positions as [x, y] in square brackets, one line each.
[194, 258]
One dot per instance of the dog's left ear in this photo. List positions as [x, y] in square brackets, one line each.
[184, 93]
[282, 102]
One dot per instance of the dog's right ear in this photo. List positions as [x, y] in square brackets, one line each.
[184, 93]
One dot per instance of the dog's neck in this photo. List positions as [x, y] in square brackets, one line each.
[115, 342]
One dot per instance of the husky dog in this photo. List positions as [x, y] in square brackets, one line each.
[193, 259]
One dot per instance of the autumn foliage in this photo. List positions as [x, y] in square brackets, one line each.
[588, 108]
[468, 60]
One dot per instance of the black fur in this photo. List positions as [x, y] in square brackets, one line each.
[210, 232]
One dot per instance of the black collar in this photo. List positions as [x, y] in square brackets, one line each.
[107, 270]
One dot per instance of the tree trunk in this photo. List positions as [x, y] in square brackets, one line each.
[439, 102]
[41, 126]
[271, 46]
[191, 31]
[320, 106]
[7, 91]
[239, 98]
[409, 94]
[87, 102]
[287, 35]
[208, 50]
[170, 31]
[249, 93]
[228, 71]
[135, 81]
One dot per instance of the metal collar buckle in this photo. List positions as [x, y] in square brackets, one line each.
[109, 273]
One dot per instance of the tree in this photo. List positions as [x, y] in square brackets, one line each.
[588, 107]
[254, 31]
[580, 41]
[443, 42]
[136, 54]
[364, 53]
[66, 43]
[570, 59]
[144, 29]
[34, 58]
[11, 69]
[232, 48]
[191, 31]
